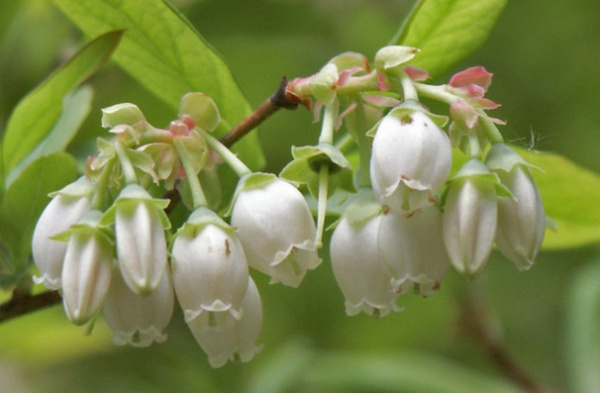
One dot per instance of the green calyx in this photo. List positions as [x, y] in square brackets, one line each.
[129, 198]
[308, 161]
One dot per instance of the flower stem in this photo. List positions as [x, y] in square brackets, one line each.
[198, 197]
[101, 186]
[126, 165]
[356, 124]
[409, 89]
[322, 204]
[227, 155]
[491, 130]
[328, 125]
[437, 93]
[474, 148]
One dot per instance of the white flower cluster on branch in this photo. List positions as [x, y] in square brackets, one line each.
[108, 244]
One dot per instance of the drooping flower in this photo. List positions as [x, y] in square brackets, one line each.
[359, 270]
[521, 219]
[135, 319]
[87, 269]
[412, 248]
[66, 208]
[411, 160]
[470, 217]
[236, 342]
[140, 224]
[209, 270]
[276, 227]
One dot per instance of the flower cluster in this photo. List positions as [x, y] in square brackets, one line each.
[417, 213]
[108, 241]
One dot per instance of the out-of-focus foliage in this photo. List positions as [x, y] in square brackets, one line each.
[545, 79]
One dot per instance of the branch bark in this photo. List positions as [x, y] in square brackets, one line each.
[476, 323]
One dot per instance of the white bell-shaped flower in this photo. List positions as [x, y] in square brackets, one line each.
[135, 319]
[66, 208]
[521, 221]
[470, 217]
[140, 224]
[412, 248]
[209, 270]
[521, 218]
[87, 268]
[237, 342]
[411, 160]
[276, 227]
[358, 269]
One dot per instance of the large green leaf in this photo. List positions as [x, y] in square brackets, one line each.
[36, 114]
[297, 366]
[583, 328]
[164, 52]
[570, 194]
[23, 203]
[405, 372]
[447, 31]
[76, 108]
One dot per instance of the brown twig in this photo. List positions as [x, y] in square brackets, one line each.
[476, 323]
[23, 304]
[281, 99]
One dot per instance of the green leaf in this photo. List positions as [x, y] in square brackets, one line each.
[22, 205]
[570, 194]
[406, 372]
[76, 108]
[447, 31]
[164, 52]
[583, 339]
[33, 118]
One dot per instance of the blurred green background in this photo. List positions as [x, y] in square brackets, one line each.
[545, 55]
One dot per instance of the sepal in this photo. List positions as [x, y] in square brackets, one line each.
[305, 167]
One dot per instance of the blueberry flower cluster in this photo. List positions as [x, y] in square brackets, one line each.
[410, 212]
[106, 241]
[418, 212]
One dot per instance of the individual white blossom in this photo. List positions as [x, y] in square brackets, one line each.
[209, 270]
[238, 341]
[140, 224]
[87, 269]
[67, 206]
[412, 248]
[358, 268]
[470, 217]
[521, 221]
[411, 160]
[276, 227]
[521, 217]
[135, 319]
